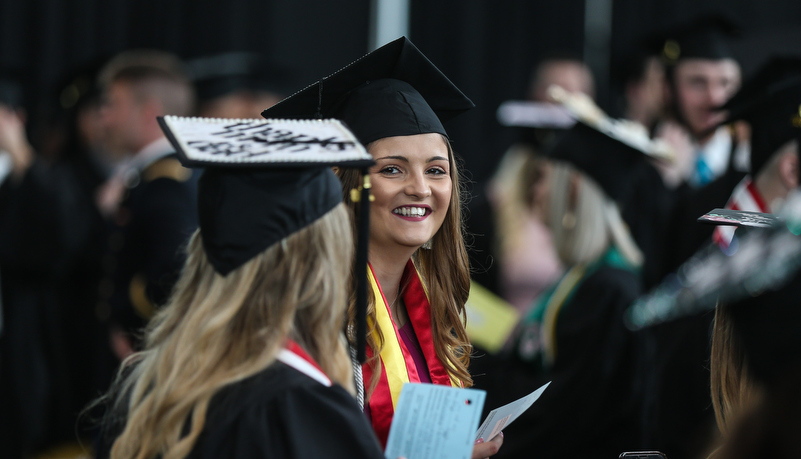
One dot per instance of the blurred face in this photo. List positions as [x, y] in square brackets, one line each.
[412, 187]
[122, 120]
[701, 86]
[572, 76]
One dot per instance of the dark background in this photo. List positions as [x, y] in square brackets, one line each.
[486, 48]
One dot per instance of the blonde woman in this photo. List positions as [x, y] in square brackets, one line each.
[574, 335]
[394, 100]
[248, 358]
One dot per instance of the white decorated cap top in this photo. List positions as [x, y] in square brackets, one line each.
[219, 142]
[631, 133]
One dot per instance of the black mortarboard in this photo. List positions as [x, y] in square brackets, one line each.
[263, 179]
[763, 261]
[266, 179]
[221, 74]
[771, 103]
[611, 152]
[707, 37]
[608, 161]
[392, 91]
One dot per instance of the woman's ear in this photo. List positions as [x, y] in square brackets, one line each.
[573, 191]
[788, 168]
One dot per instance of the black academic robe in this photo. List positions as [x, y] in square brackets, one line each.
[35, 247]
[146, 244]
[282, 413]
[590, 409]
[677, 408]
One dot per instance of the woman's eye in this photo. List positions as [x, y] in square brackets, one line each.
[390, 170]
[437, 171]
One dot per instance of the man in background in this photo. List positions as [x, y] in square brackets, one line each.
[151, 200]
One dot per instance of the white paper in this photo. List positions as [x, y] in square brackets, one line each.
[505, 415]
[434, 422]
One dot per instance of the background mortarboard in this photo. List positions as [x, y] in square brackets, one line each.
[395, 90]
[221, 74]
[740, 219]
[771, 103]
[611, 152]
[707, 37]
[764, 261]
[264, 180]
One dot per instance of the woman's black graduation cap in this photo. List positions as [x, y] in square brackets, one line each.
[392, 91]
[263, 180]
[771, 103]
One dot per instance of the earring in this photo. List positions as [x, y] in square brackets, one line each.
[427, 244]
[569, 221]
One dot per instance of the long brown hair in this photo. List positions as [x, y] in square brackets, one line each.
[217, 330]
[445, 271]
[732, 388]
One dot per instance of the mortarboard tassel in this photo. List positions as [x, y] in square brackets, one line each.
[361, 266]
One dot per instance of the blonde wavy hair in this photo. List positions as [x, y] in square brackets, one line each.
[732, 389]
[596, 221]
[217, 330]
[445, 271]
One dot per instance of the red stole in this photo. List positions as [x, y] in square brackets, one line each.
[397, 365]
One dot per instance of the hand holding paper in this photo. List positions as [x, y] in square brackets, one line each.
[440, 421]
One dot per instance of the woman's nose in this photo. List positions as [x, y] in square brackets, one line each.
[418, 186]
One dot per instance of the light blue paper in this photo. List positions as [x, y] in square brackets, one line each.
[434, 422]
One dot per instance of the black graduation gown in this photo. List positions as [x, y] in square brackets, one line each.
[590, 409]
[282, 413]
[34, 395]
[147, 241]
[677, 408]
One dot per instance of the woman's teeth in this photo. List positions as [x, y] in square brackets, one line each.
[410, 211]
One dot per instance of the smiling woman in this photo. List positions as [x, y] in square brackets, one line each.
[395, 100]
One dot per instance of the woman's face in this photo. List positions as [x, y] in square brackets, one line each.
[412, 187]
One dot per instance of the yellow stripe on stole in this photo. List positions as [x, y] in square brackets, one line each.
[563, 290]
[391, 354]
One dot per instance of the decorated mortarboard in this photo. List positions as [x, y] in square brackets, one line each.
[763, 261]
[771, 103]
[707, 37]
[740, 219]
[611, 152]
[392, 91]
[263, 181]
[217, 75]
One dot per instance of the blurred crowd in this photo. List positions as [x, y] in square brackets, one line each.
[584, 216]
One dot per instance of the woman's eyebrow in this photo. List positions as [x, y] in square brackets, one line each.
[437, 158]
[399, 158]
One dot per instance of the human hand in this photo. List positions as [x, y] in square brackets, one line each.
[14, 140]
[681, 142]
[486, 449]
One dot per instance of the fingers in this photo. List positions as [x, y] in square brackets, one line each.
[484, 449]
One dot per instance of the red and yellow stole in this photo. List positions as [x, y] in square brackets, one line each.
[397, 365]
